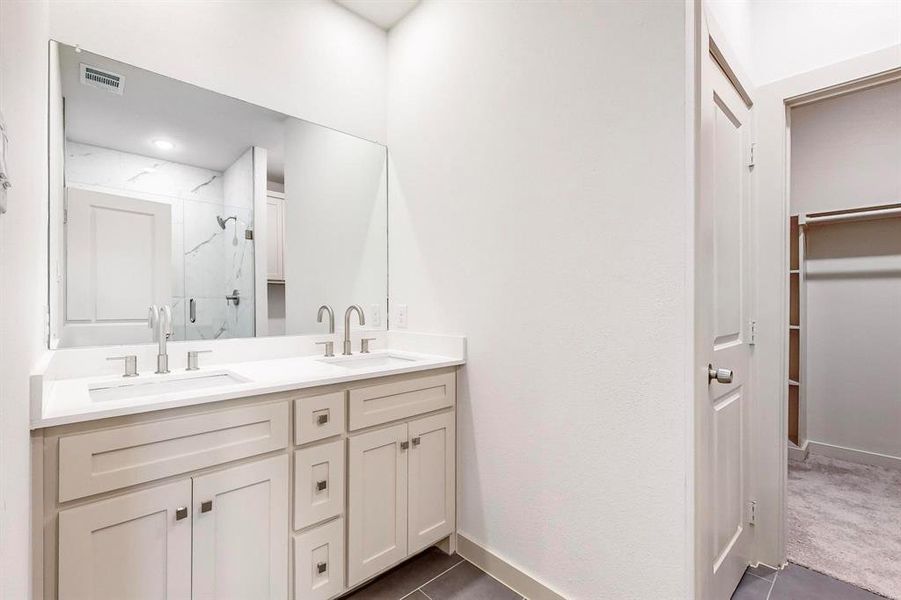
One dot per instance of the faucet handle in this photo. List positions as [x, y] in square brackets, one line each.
[153, 313]
[329, 347]
[193, 362]
[364, 345]
[131, 364]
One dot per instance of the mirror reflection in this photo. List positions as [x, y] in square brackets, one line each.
[242, 220]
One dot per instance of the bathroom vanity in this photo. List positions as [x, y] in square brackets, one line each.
[243, 492]
[203, 223]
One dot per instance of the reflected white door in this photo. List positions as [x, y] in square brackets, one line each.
[118, 263]
[723, 290]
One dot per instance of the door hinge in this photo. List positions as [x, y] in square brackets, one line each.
[752, 512]
[751, 155]
[752, 326]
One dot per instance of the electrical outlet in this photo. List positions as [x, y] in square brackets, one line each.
[401, 316]
[375, 315]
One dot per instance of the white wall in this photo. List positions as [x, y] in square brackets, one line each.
[775, 39]
[23, 272]
[312, 59]
[539, 205]
[845, 153]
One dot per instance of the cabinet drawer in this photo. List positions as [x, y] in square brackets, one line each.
[318, 417]
[319, 562]
[318, 483]
[99, 461]
[387, 402]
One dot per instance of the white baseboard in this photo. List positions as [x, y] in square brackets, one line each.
[853, 455]
[796, 453]
[512, 577]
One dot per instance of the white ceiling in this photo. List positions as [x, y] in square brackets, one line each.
[209, 130]
[384, 13]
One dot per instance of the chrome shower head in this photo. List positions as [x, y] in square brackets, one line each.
[222, 221]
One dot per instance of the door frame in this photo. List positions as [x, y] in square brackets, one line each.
[771, 208]
[712, 42]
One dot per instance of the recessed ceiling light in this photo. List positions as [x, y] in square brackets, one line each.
[163, 144]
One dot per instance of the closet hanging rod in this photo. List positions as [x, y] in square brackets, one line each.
[870, 214]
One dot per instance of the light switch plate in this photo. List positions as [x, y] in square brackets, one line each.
[375, 315]
[401, 316]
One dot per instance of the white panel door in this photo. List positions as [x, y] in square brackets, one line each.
[722, 321]
[377, 501]
[118, 263]
[241, 532]
[136, 546]
[432, 484]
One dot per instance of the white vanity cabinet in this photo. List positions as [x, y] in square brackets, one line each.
[401, 478]
[233, 541]
[301, 495]
[132, 546]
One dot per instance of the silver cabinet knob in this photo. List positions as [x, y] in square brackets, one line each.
[404, 445]
[321, 567]
[719, 375]
[416, 441]
[181, 513]
[322, 419]
[321, 485]
[131, 364]
[206, 506]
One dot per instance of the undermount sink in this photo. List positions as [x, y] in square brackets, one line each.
[125, 390]
[370, 361]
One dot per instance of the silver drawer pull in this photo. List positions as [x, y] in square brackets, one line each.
[321, 485]
[322, 419]
[321, 567]
[206, 506]
[404, 445]
[416, 441]
[181, 512]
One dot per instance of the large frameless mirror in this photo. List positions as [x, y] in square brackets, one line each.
[240, 219]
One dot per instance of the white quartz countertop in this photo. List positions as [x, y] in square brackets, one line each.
[65, 401]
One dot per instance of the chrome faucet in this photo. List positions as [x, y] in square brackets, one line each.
[347, 312]
[325, 308]
[160, 320]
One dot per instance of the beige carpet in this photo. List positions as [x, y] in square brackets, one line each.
[844, 520]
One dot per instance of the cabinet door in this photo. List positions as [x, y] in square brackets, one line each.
[136, 546]
[275, 241]
[377, 502]
[432, 480]
[241, 531]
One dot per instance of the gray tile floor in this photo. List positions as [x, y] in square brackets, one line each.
[796, 583]
[433, 575]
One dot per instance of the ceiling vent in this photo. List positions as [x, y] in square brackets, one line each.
[99, 78]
